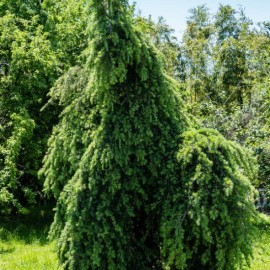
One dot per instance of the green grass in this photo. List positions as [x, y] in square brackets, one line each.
[24, 244]
[261, 259]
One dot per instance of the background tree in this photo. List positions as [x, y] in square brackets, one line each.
[196, 54]
[162, 36]
[28, 66]
[39, 41]
[66, 23]
[229, 65]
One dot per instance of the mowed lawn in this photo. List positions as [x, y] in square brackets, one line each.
[24, 244]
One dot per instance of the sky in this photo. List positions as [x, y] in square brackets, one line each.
[175, 12]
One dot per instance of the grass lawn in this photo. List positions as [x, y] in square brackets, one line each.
[24, 244]
[261, 259]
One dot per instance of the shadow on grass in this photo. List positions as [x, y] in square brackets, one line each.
[5, 250]
[28, 228]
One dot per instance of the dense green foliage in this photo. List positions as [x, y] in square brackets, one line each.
[66, 23]
[71, 136]
[34, 51]
[201, 216]
[162, 36]
[129, 115]
[28, 67]
[226, 64]
[120, 103]
[121, 181]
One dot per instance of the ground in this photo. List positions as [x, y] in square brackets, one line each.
[24, 244]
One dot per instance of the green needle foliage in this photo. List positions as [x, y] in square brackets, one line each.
[115, 167]
[213, 227]
[109, 181]
[72, 135]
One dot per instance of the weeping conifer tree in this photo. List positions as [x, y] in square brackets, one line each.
[108, 160]
[209, 219]
[113, 161]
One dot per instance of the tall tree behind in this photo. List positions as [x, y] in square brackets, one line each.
[28, 68]
[38, 43]
[231, 56]
[66, 23]
[162, 36]
[226, 65]
[196, 54]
